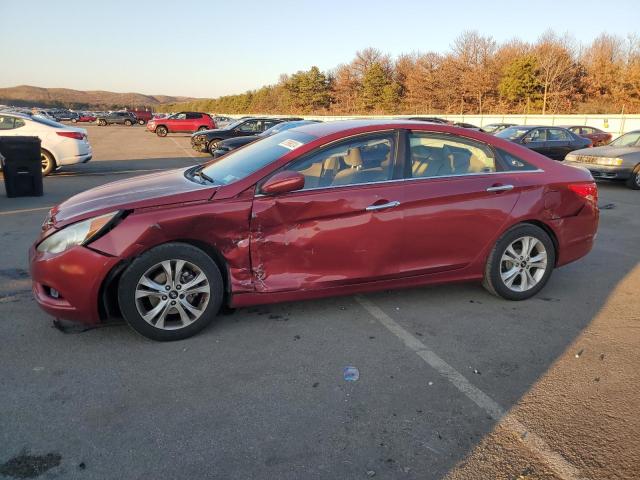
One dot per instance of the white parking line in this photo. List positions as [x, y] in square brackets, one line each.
[182, 148]
[534, 443]
[24, 210]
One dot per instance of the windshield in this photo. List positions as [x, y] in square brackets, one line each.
[46, 121]
[243, 162]
[234, 124]
[627, 140]
[512, 133]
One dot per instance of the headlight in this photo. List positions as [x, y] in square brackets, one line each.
[75, 234]
[609, 161]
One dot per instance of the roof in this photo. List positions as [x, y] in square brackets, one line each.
[328, 128]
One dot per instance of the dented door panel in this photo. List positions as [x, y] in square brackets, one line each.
[322, 238]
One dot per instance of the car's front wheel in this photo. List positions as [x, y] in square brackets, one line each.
[171, 292]
[161, 131]
[213, 145]
[48, 162]
[102, 123]
[520, 263]
[634, 180]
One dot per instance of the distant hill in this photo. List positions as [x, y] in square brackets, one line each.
[27, 95]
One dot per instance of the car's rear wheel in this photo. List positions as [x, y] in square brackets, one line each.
[520, 263]
[102, 123]
[634, 180]
[171, 292]
[48, 162]
[141, 122]
[202, 129]
[128, 123]
[74, 120]
[213, 145]
[161, 131]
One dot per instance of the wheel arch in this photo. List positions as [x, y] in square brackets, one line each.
[108, 306]
[55, 160]
[547, 229]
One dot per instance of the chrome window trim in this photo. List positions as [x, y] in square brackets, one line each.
[539, 170]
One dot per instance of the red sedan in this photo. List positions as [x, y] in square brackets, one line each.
[325, 209]
[597, 136]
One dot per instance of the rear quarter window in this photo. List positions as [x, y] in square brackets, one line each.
[511, 163]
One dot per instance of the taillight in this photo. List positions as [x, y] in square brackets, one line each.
[74, 135]
[588, 191]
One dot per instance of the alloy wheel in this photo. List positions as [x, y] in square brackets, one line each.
[523, 264]
[172, 294]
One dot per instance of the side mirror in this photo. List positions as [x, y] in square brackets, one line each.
[283, 182]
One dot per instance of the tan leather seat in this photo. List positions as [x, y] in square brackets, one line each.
[353, 159]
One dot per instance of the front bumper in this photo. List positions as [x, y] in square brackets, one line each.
[77, 275]
[604, 171]
[199, 143]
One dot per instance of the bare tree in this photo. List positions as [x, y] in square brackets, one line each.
[557, 67]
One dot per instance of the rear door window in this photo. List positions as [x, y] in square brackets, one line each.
[437, 155]
[557, 135]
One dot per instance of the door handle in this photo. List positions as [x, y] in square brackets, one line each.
[382, 206]
[500, 188]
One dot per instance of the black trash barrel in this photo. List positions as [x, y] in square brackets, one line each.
[21, 166]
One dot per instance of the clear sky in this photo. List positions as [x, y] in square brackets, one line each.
[211, 48]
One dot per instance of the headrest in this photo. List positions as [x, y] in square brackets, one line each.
[353, 157]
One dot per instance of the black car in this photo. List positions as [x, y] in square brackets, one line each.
[441, 121]
[470, 126]
[119, 118]
[207, 140]
[225, 146]
[494, 128]
[553, 142]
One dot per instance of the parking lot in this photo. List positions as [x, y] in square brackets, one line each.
[454, 383]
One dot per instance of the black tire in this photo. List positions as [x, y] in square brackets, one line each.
[141, 122]
[102, 122]
[493, 281]
[212, 145]
[48, 162]
[203, 128]
[141, 265]
[633, 182]
[128, 123]
[161, 131]
[74, 120]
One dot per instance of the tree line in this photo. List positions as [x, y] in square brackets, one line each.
[555, 74]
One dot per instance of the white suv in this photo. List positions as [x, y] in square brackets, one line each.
[60, 144]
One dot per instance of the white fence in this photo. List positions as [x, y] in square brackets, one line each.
[614, 124]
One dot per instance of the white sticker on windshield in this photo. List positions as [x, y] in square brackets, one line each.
[291, 144]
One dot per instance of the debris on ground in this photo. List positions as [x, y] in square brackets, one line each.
[371, 473]
[476, 371]
[607, 206]
[579, 353]
[351, 374]
[296, 337]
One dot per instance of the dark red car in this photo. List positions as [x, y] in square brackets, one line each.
[597, 136]
[143, 116]
[181, 122]
[84, 117]
[325, 209]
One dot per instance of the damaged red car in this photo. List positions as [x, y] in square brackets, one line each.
[325, 209]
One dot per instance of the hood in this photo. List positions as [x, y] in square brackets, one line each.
[164, 188]
[215, 130]
[607, 151]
